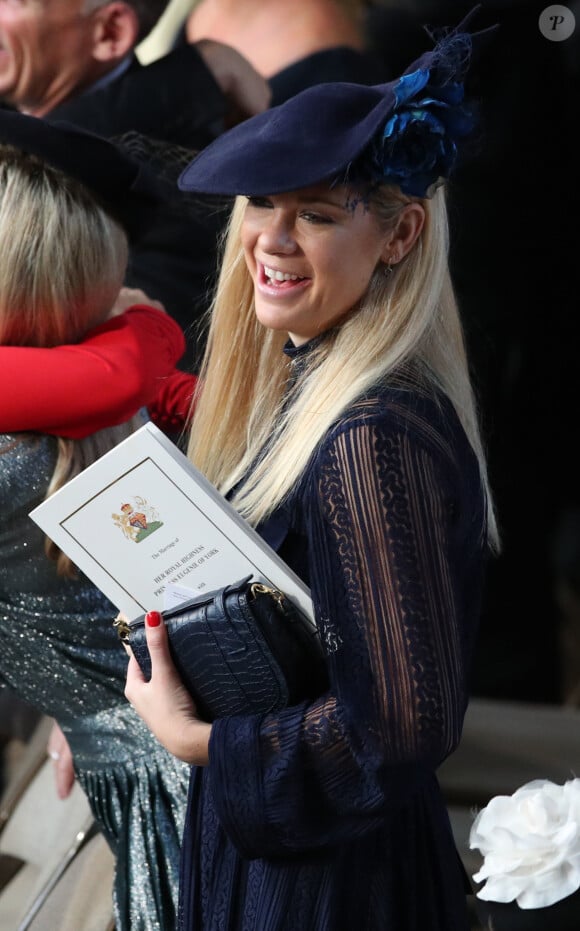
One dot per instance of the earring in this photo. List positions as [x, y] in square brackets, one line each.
[388, 268]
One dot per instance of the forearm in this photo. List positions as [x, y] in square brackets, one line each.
[77, 389]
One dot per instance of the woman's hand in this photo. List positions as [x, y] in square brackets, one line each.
[128, 297]
[245, 89]
[61, 756]
[164, 703]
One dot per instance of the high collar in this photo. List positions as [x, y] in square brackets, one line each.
[297, 353]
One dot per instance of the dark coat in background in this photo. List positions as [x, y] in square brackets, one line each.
[514, 204]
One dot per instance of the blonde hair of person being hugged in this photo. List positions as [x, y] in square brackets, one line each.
[63, 265]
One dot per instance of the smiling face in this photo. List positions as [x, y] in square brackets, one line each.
[311, 255]
[45, 51]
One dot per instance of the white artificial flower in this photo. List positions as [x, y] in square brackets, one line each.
[530, 843]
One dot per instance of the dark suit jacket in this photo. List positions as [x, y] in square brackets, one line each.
[340, 63]
[175, 98]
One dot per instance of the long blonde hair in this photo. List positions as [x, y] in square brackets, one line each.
[240, 420]
[63, 262]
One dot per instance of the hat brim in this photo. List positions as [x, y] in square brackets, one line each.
[124, 186]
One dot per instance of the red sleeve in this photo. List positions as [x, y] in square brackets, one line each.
[170, 409]
[77, 389]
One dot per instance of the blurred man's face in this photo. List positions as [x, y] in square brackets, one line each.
[45, 51]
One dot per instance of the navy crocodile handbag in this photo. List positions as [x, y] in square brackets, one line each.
[242, 649]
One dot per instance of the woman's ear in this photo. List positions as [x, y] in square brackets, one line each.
[404, 236]
[116, 30]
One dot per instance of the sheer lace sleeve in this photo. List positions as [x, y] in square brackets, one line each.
[393, 514]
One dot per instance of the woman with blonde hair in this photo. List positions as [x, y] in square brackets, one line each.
[336, 413]
[66, 199]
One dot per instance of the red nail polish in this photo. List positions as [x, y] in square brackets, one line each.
[153, 618]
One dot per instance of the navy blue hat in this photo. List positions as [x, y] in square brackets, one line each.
[404, 132]
[125, 187]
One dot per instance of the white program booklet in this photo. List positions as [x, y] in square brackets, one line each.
[148, 529]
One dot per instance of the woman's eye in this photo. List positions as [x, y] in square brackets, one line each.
[312, 217]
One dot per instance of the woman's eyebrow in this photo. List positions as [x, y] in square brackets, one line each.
[326, 201]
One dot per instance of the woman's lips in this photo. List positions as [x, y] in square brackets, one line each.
[276, 281]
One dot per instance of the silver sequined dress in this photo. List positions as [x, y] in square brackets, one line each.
[61, 654]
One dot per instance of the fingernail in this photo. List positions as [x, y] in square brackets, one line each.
[153, 618]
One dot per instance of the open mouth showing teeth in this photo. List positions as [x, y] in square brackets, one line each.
[276, 276]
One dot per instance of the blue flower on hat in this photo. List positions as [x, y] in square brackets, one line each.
[409, 85]
[419, 140]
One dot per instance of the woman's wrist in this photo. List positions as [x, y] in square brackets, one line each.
[194, 743]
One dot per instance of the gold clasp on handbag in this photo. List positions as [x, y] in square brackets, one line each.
[122, 628]
[258, 588]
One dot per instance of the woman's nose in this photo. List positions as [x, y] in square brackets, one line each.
[277, 235]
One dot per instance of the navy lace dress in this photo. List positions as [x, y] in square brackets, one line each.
[328, 816]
